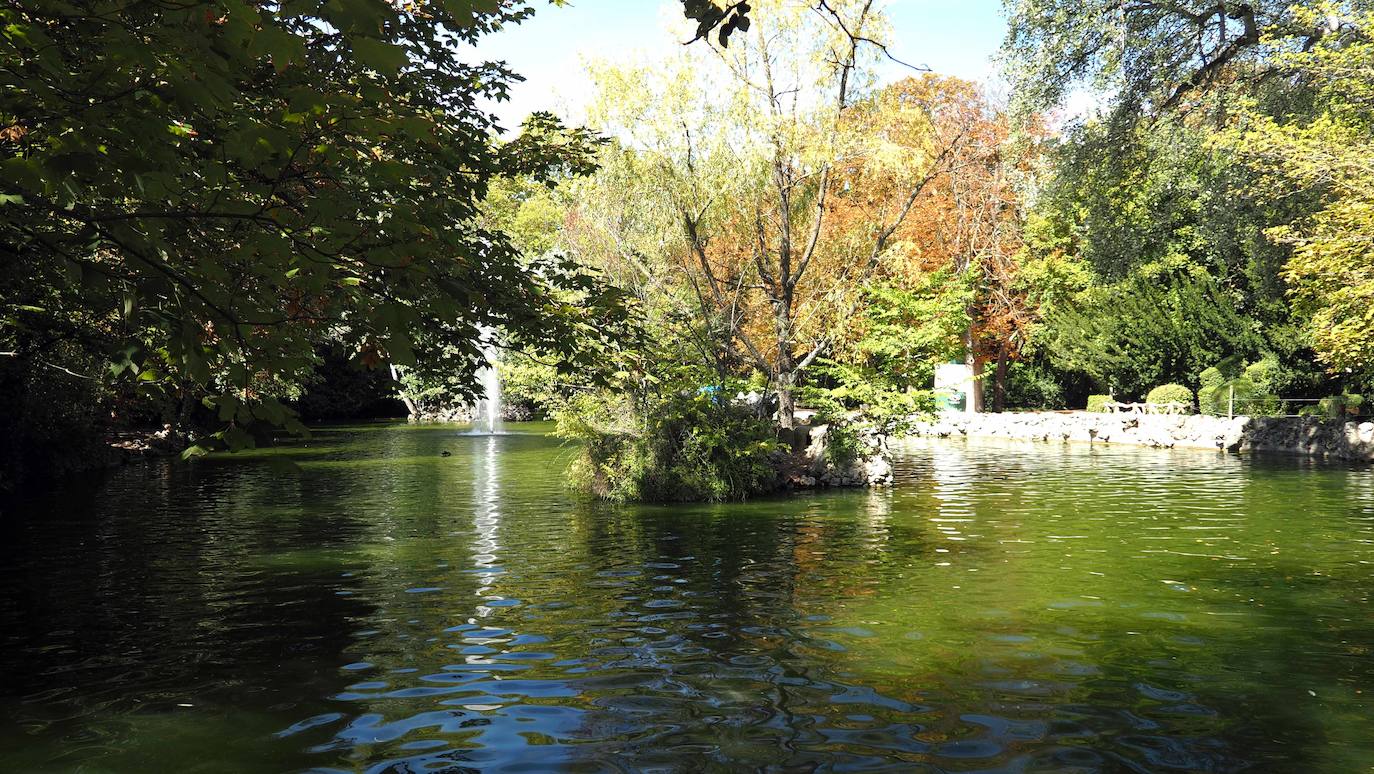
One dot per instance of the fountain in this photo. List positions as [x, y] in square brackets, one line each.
[486, 415]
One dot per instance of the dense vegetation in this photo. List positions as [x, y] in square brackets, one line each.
[220, 216]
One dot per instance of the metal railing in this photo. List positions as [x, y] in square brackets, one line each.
[1272, 406]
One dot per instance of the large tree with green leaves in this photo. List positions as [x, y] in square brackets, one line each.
[1145, 184]
[198, 192]
[1328, 154]
[1154, 56]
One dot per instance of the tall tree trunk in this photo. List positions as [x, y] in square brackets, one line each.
[975, 364]
[787, 406]
[182, 423]
[787, 364]
[999, 381]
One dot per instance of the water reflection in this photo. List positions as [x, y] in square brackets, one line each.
[1004, 608]
[486, 524]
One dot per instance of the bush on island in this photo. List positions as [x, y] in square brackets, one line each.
[668, 447]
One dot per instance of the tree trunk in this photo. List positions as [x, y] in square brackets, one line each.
[787, 407]
[410, 404]
[999, 382]
[975, 389]
[182, 424]
[975, 396]
[786, 369]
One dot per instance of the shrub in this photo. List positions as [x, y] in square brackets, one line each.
[1354, 403]
[342, 389]
[883, 403]
[674, 447]
[1098, 403]
[1238, 396]
[53, 423]
[1032, 385]
[528, 387]
[1262, 404]
[1171, 393]
[1340, 405]
[1211, 399]
[842, 437]
[1331, 407]
[1266, 374]
[1232, 387]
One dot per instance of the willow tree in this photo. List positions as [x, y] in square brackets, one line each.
[743, 152]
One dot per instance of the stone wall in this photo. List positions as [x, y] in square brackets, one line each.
[810, 466]
[510, 412]
[1295, 435]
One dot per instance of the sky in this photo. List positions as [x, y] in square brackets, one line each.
[952, 37]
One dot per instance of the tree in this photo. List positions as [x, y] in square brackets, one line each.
[1165, 323]
[1331, 271]
[1167, 195]
[200, 192]
[1154, 57]
[747, 160]
[969, 221]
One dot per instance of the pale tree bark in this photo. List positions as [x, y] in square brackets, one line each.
[975, 364]
[401, 393]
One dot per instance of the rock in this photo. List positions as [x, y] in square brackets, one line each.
[1297, 435]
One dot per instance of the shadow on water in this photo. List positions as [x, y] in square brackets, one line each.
[388, 608]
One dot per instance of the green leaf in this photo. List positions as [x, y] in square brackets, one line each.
[385, 58]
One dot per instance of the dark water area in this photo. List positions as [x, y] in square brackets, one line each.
[388, 609]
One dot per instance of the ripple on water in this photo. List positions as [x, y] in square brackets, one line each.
[1115, 610]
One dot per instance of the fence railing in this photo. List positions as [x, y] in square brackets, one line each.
[1272, 406]
[1253, 406]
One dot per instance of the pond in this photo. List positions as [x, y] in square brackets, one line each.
[387, 608]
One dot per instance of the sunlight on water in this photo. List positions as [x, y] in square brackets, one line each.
[1005, 608]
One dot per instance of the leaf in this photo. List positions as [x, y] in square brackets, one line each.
[236, 438]
[385, 58]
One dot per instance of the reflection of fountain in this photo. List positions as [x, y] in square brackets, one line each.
[486, 525]
[487, 412]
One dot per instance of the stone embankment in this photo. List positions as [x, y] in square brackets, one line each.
[442, 414]
[510, 412]
[872, 465]
[1308, 436]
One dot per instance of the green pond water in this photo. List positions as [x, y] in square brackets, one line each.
[389, 609]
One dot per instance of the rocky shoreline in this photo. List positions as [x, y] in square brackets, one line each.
[817, 470]
[1307, 436]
